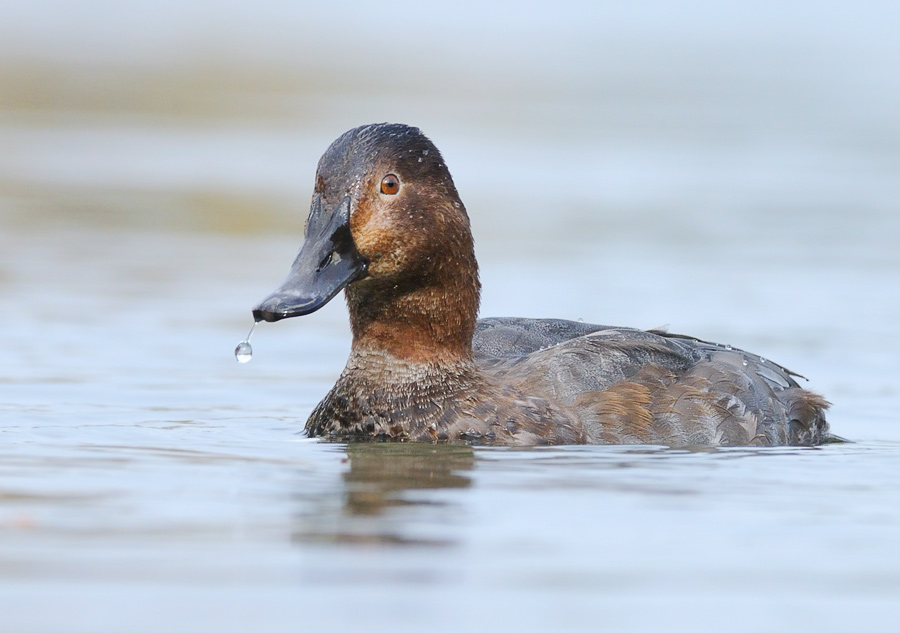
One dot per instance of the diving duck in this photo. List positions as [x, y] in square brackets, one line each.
[387, 226]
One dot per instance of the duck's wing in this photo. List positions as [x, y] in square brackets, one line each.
[568, 358]
[630, 385]
[510, 337]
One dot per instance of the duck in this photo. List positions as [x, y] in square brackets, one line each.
[387, 226]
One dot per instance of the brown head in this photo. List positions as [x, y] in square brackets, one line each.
[387, 224]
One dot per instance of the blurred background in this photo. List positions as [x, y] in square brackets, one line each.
[210, 115]
[728, 169]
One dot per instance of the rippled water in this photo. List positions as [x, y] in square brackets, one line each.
[149, 482]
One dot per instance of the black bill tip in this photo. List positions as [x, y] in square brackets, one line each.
[281, 305]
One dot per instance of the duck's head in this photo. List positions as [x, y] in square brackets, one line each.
[385, 222]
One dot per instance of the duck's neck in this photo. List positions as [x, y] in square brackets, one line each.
[426, 319]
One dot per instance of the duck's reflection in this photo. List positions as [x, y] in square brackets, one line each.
[392, 494]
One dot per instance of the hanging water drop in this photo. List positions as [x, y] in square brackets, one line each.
[243, 353]
[729, 347]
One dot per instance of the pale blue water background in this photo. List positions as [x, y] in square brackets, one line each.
[730, 170]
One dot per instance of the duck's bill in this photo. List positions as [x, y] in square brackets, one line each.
[327, 262]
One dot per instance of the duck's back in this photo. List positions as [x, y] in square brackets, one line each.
[634, 386]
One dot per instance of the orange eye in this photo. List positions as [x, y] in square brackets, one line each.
[390, 184]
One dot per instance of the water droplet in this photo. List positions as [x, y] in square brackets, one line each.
[745, 362]
[243, 353]
[729, 347]
[420, 159]
[762, 360]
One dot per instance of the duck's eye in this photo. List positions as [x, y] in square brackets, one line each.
[390, 184]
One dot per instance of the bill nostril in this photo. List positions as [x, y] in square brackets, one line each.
[325, 261]
[332, 258]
